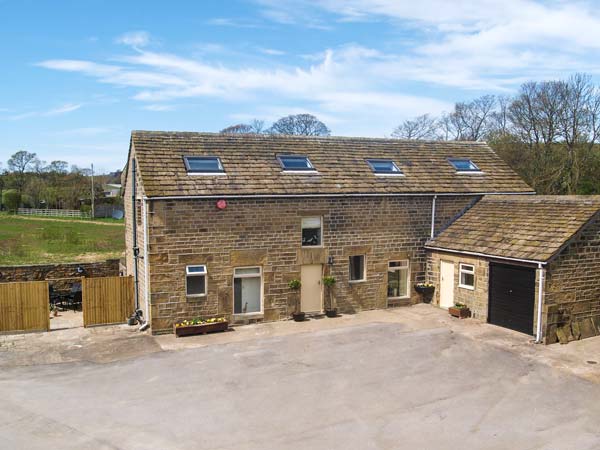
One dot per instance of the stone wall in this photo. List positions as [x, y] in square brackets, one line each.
[266, 233]
[60, 276]
[572, 287]
[476, 299]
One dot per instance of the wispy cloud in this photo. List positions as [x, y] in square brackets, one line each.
[271, 51]
[136, 39]
[232, 22]
[63, 109]
[159, 107]
[59, 110]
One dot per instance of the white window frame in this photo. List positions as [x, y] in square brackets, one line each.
[302, 229]
[475, 171]
[196, 274]
[395, 172]
[190, 171]
[262, 288]
[364, 278]
[462, 268]
[310, 170]
[394, 269]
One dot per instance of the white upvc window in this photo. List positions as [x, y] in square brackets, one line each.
[247, 290]
[195, 281]
[466, 278]
[357, 268]
[312, 231]
[399, 279]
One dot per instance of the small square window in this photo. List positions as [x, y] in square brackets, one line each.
[384, 166]
[357, 268]
[203, 164]
[311, 231]
[466, 276]
[463, 165]
[195, 280]
[295, 162]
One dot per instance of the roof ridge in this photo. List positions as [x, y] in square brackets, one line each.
[302, 137]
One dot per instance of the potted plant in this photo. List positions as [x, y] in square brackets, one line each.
[295, 285]
[329, 282]
[200, 326]
[426, 290]
[460, 310]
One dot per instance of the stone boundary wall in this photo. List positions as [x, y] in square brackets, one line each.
[61, 275]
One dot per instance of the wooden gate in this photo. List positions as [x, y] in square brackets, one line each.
[24, 306]
[107, 300]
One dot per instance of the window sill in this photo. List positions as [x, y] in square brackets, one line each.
[254, 315]
[301, 172]
[357, 281]
[407, 297]
[389, 174]
[470, 172]
[208, 174]
[195, 296]
[469, 288]
[312, 246]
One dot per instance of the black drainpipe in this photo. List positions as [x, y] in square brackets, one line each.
[136, 250]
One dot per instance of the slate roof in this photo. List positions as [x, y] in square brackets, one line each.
[252, 168]
[530, 227]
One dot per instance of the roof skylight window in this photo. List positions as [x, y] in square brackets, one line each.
[384, 167]
[463, 165]
[295, 163]
[203, 165]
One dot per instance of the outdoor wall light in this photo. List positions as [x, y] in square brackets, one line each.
[330, 260]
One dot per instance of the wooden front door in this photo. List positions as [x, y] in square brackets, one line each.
[311, 292]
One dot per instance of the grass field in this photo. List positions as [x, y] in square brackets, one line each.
[32, 240]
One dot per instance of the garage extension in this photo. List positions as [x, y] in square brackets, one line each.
[499, 253]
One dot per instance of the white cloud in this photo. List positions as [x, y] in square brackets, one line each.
[271, 51]
[135, 39]
[63, 109]
[59, 110]
[159, 107]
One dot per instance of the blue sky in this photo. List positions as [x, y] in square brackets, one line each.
[77, 76]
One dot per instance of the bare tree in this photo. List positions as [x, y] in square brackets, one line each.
[254, 127]
[20, 163]
[300, 124]
[421, 127]
[472, 119]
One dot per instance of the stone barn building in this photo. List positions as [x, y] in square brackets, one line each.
[222, 223]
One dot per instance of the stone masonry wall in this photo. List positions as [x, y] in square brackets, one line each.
[477, 299]
[60, 276]
[267, 233]
[573, 284]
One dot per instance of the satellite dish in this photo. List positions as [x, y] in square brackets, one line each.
[117, 214]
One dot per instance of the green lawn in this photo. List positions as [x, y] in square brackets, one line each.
[28, 240]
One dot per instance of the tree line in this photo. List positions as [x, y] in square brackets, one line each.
[30, 182]
[547, 132]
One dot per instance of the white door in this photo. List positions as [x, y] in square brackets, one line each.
[311, 295]
[446, 284]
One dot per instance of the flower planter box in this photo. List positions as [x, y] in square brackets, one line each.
[191, 330]
[461, 313]
[425, 290]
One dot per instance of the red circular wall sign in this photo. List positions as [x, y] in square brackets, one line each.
[221, 204]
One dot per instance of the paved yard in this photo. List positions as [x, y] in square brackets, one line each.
[384, 380]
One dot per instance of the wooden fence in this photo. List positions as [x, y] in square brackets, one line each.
[107, 300]
[52, 212]
[24, 306]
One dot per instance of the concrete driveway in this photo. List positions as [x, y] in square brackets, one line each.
[364, 385]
